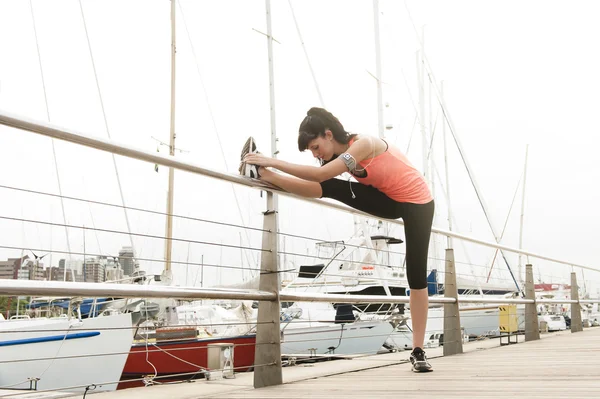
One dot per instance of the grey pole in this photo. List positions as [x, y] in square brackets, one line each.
[267, 358]
[576, 324]
[532, 329]
[452, 332]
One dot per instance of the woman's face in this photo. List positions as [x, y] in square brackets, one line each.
[322, 147]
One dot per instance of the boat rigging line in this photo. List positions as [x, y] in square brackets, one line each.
[39, 56]
[87, 36]
[251, 261]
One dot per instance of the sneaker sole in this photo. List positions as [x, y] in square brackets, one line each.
[416, 370]
[253, 172]
[249, 171]
[249, 147]
[245, 169]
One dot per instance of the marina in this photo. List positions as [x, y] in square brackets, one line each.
[132, 265]
[562, 365]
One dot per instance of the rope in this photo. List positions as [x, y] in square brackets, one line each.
[37, 45]
[135, 234]
[105, 121]
[316, 239]
[454, 135]
[214, 123]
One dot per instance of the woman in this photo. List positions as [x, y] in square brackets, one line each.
[388, 187]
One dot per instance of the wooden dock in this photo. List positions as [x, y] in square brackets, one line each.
[560, 365]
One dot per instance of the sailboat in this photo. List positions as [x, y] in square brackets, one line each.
[64, 353]
[178, 348]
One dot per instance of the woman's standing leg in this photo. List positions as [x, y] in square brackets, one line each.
[419, 307]
[417, 228]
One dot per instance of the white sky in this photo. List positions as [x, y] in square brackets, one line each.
[515, 73]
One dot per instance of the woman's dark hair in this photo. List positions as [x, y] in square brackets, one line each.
[315, 123]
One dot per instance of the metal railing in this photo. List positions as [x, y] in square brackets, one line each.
[269, 316]
[115, 147]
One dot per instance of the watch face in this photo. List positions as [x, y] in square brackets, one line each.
[347, 156]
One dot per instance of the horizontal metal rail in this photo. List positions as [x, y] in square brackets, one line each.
[70, 289]
[500, 301]
[112, 146]
[91, 290]
[316, 297]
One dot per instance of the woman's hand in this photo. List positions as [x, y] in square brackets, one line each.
[259, 160]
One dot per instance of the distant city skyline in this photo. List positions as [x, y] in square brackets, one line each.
[96, 269]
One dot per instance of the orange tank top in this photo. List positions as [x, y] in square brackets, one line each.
[393, 174]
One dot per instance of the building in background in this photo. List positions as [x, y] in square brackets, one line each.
[127, 261]
[94, 270]
[9, 268]
[31, 270]
[52, 273]
[98, 269]
[70, 270]
[22, 269]
[114, 272]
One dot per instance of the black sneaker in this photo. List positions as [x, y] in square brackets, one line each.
[419, 361]
[247, 169]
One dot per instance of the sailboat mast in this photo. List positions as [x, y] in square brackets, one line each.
[84, 268]
[522, 215]
[381, 132]
[272, 200]
[421, 79]
[274, 150]
[169, 228]
[447, 175]
[378, 68]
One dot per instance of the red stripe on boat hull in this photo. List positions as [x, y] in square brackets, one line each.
[165, 356]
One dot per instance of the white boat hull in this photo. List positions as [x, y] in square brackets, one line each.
[485, 320]
[361, 337]
[65, 354]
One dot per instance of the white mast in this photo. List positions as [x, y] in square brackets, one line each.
[169, 228]
[421, 77]
[187, 265]
[522, 216]
[274, 150]
[447, 175]
[378, 68]
[363, 221]
[84, 266]
[272, 199]
[431, 168]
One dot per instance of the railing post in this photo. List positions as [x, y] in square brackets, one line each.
[267, 353]
[576, 323]
[452, 332]
[532, 328]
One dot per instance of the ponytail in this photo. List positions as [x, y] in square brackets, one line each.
[315, 123]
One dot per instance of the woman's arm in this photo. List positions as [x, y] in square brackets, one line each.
[311, 173]
[360, 150]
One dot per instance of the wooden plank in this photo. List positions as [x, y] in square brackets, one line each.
[562, 366]
[556, 366]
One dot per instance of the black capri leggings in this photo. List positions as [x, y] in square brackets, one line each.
[417, 221]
